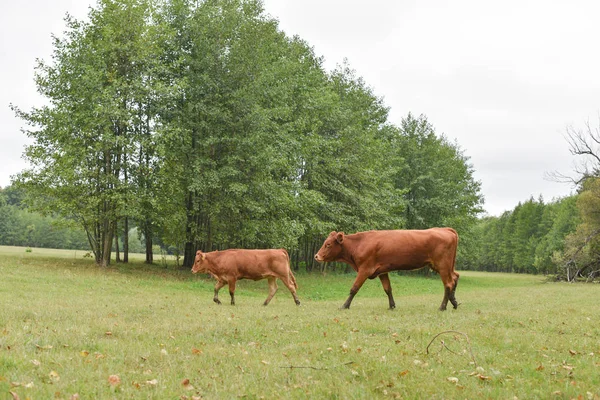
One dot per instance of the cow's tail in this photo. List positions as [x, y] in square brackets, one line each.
[290, 273]
[455, 248]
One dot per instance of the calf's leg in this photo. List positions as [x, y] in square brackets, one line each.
[387, 288]
[290, 284]
[232, 291]
[218, 287]
[272, 289]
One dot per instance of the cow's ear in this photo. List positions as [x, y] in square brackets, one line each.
[340, 237]
[203, 256]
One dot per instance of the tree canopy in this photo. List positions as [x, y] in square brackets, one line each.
[208, 127]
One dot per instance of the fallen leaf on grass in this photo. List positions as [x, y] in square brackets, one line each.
[14, 395]
[265, 362]
[402, 373]
[75, 396]
[152, 382]
[114, 380]
[36, 363]
[196, 351]
[540, 368]
[484, 378]
[54, 376]
[572, 352]
[84, 353]
[186, 384]
[452, 379]
[47, 347]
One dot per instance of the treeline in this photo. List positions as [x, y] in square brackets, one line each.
[204, 125]
[528, 239]
[21, 227]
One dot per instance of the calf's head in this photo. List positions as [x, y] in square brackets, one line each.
[332, 247]
[199, 262]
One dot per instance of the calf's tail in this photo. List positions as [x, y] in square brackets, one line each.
[290, 274]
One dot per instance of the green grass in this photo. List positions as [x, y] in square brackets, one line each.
[66, 326]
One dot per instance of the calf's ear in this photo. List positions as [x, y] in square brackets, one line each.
[340, 237]
[203, 256]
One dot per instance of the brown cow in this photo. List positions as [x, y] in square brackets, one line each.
[375, 253]
[228, 266]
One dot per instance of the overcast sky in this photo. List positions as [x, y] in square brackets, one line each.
[502, 79]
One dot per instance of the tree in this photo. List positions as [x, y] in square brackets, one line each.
[82, 138]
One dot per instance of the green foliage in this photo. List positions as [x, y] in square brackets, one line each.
[208, 127]
[526, 239]
[581, 253]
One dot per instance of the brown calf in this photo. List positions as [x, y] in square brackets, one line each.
[229, 266]
[375, 253]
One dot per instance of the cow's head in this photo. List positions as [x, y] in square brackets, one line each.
[198, 262]
[332, 247]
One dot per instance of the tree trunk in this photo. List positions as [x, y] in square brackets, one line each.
[189, 251]
[117, 254]
[107, 246]
[126, 240]
[148, 236]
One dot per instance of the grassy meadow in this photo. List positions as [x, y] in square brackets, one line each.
[132, 331]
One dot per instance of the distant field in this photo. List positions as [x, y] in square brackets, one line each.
[149, 332]
[61, 253]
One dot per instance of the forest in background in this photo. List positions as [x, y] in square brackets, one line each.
[203, 126]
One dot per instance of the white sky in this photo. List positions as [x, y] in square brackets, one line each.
[503, 79]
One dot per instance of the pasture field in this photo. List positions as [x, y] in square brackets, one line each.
[147, 332]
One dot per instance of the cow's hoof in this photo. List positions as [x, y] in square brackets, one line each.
[392, 308]
[218, 302]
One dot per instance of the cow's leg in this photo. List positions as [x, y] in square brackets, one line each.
[291, 285]
[218, 287]
[272, 289]
[387, 288]
[452, 297]
[232, 290]
[358, 282]
[450, 281]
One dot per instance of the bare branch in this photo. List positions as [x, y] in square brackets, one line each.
[444, 344]
[316, 368]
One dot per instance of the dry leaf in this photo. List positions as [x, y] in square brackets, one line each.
[48, 347]
[483, 377]
[265, 362]
[402, 373]
[84, 353]
[36, 363]
[114, 380]
[186, 384]
[573, 352]
[75, 396]
[196, 351]
[540, 368]
[54, 376]
[452, 379]
[14, 395]
[163, 352]
[108, 333]
[153, 382]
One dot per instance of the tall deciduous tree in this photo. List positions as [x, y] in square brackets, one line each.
[84, 138]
